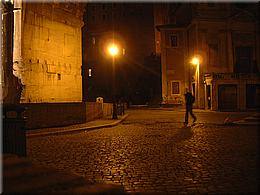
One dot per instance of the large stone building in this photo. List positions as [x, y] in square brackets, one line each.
[130, 25]
[47, 52]
[225, 39]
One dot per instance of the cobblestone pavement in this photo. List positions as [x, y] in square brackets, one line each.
[149, 152]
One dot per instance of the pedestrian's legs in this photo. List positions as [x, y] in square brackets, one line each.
[186, 117]
[193, 116]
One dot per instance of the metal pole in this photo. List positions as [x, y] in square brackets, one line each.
[114, 115]
[198, 80]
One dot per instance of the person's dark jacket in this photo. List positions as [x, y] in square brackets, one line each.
[189, 99]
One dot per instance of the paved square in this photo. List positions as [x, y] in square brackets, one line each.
[151, 152]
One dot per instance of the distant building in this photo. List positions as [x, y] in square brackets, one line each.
[47, 51]
[131, 26]
[225, 39]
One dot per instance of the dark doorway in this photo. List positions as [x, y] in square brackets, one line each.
[253, 96]
[208, 95]
[227, 97]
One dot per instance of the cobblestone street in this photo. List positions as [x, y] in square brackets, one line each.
[151, 152]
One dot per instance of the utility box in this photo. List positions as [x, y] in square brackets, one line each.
[14, 135]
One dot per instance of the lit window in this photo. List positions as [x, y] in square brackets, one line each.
[89, 72]
[175, 87]
[173, 41]
[93, 40]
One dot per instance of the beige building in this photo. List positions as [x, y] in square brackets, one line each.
[225, 40]
[47, 51]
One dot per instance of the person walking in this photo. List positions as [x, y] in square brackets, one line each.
[189, 100]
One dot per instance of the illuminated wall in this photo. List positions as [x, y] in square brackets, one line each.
[50, 57]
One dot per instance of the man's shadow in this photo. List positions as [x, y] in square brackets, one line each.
[184, 133]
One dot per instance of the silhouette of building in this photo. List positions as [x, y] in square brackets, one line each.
[131, 26]
[225, 39]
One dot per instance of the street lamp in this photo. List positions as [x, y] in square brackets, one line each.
[196, 61]
[113, 51]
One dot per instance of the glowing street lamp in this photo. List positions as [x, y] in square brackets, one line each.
[196, 61]
[113, 51]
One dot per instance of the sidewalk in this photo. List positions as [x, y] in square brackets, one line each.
[250, 120]
[96, 124]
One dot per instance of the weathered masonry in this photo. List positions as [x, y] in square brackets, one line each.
[47, 51]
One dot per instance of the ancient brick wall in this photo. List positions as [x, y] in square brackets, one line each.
[51, 52]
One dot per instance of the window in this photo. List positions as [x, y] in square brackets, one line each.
[175, 87]
[93, 40]
[173, 41]
[89, 72]
[213, 55]
[243, 56]
[59, 76]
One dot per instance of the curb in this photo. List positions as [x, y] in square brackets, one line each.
[244, 123]
[77, 130]
[250, 120]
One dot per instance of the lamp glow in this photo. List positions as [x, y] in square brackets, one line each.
[195, 61]
[113, 50]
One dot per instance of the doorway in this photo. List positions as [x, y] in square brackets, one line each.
[253, 96]
[227, 97]
[208, 96]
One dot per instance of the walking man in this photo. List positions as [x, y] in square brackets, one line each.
[189, 100]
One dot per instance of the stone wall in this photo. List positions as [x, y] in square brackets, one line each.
[61, 114]
[107, 109]
[93, 111]
[51, 54]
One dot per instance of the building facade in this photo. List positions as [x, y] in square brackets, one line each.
[47, 53]
[225, 40]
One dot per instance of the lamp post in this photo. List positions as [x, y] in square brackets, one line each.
[195, 61]
[113, 51]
